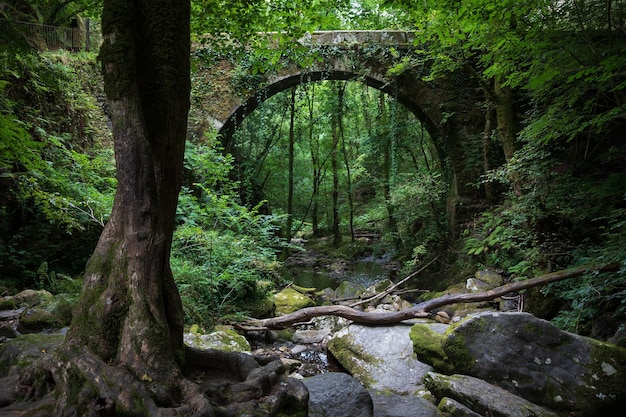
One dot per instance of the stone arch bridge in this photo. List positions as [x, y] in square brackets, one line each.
[224, 94]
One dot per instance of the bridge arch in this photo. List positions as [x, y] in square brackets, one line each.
[291, 80]
[446, 107]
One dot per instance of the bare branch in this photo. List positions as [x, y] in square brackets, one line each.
[420, 310]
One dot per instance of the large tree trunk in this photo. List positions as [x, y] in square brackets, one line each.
[130, 310]
[124, 352]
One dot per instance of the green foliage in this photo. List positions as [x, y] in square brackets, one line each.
[502, 238]
[49, 12]
[224, 255]
[56, 163]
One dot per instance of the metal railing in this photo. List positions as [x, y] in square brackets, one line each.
[48, 37]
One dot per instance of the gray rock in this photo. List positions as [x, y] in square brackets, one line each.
[393, 405]
[338, 395]
[382, 358]
[349, 290]
[489, 276]
[452, 408]
[16, 354]
[535, 360]
[481, 397]
[310, 336]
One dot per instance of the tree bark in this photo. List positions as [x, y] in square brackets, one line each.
[341, 88]
[420, 310]
[290, 180]
[124, 352]
[130, 310]
[335, 168]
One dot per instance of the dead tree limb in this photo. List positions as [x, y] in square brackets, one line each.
[391, 288]
[420, 310]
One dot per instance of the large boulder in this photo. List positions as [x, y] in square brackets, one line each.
[348, 290]
[337, 394]
[480, 397]
[534, 359]
[381, 358]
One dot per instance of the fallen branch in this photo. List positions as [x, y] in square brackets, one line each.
[420, 310]
[391, 288]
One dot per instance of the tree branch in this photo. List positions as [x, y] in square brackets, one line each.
[420, 310]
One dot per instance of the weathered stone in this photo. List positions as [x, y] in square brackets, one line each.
[338, 395]
[381, 358]
[490, 277]
[325, 296]
[476, 285]
[227, 340]
[16, 354]
[35, 320]
[535, 360]
[349, 290]
[289, 300]
[428, 338]
[453, 408]
[388, 404]
[32, 296]
[8, 390]
[481, 397]
[310, 336]
[8, 332]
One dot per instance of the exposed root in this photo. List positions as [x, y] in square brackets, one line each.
[212, 384]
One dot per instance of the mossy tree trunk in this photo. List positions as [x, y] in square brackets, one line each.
[124, 351]
[130, 310]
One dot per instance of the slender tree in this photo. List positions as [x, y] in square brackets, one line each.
[341, 89]
[290, 174]
[335, 168]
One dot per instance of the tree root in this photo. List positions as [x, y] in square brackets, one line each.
[212, 384]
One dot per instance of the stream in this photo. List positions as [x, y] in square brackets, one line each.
[365, 271]
[313, 357]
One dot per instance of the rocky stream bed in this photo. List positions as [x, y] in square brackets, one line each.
[474, 362]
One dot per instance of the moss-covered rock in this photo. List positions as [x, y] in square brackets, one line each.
[539, 362]
[489, 276]
[482, 398]
[353, 358]
[16, 354]
[30, 297]
[427, 341]
[349, 290]
[289, 300]
[453, 408]
[51, 313]
[8, 303]
[261, 308]
[380, 357]
[226, 339]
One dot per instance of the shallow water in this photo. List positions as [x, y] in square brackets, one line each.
[365, 272]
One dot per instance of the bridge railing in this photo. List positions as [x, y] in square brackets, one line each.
[383, 37]
[48, 37]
